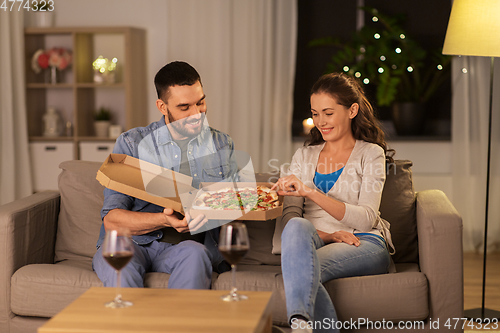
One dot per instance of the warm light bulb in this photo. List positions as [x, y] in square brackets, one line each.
[398, 50]
[382, 58]
[380, 70]
[346, 68]
[357, 74]
[402, 36]
[409, 69]
[376, 36]
[366, 81]
[375, 19]
[440, 67]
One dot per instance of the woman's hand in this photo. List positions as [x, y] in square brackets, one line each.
[339, 237]
[291, 185]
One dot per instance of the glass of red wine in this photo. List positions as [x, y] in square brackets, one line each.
[118, 250]
[233, 245]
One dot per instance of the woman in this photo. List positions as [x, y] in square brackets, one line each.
[333, 191]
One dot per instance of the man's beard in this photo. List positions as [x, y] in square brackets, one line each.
[181, 126]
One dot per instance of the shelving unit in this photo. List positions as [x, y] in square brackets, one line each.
[77, 96]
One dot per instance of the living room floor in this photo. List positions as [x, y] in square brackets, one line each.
[473, 282]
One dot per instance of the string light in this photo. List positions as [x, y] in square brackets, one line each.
[394, 67]
[402, 36]
[464, 70]
[376, 36]
[409, 69]
[382, 58]
[440, 67]
[380, 70]
[357, 74]
[375, 19]
[366, 81]
[346, 68]
[398, 50]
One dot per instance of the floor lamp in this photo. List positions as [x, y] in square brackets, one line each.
[474, 30]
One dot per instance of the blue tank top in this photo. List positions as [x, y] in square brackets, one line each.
[326, 182]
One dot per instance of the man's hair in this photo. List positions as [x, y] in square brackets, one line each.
[176, 73]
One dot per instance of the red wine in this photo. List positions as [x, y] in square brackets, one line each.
[233, 254]
[118, 260]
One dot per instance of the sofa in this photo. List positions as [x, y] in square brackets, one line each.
[48, 241]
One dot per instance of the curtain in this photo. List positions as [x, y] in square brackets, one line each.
[245, 54]
[470, 107]
[15, 175]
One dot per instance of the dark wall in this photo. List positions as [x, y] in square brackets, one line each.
[426, 21]
[317, 18]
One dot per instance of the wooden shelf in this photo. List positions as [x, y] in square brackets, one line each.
[100, 85]
[94, 138]
[78, 98]
[49, 85]
[50, 138]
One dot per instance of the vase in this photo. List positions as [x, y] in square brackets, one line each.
[52, 75]
[101, 128]
[409, 118]
[43, 19]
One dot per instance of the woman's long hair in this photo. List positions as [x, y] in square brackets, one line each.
[346, 90]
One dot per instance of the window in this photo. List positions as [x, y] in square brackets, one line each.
[426, 22]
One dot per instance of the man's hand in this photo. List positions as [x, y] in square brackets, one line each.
[186, 224]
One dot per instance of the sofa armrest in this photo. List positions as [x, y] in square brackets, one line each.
[28, 231]
[440, 254]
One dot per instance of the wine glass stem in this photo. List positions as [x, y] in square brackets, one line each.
[118, 297]
[233, 273]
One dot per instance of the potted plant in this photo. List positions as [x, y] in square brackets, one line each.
[102, 120]
[403, 73]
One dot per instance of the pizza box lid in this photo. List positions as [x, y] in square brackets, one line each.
[144, 180]
[236, 214]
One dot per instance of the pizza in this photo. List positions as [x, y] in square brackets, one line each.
[248, 198]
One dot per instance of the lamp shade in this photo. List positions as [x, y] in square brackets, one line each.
[474, 28]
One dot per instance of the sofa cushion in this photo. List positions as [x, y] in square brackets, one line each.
[398, 208]
[392, 297]
[43, 290]
[81, 203]
[375, 297]
[260, 234]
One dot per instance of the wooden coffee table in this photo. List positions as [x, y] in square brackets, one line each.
[164, 310]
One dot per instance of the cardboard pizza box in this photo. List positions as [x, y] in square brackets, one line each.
[235, 214]
[145, 181]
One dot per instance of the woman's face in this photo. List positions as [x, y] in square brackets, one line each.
[332, 119]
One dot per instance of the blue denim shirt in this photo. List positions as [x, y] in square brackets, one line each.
[210, 157]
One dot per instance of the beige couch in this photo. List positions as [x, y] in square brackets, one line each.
[47, 242]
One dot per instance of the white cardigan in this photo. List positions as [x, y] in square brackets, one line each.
[359, 186]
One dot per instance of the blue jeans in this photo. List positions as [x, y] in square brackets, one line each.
[306, 263]
[189, 264]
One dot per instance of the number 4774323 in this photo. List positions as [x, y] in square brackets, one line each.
[33, 5]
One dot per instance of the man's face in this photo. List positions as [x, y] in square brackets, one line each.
[184, 110]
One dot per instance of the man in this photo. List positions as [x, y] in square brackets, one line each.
[181, 141]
